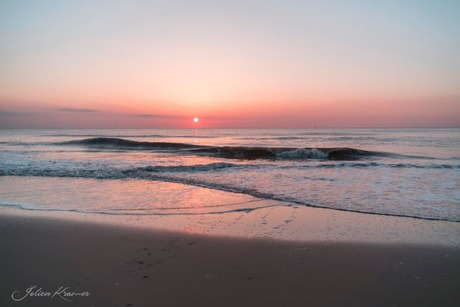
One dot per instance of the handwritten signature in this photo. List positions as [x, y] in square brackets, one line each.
[62, 292]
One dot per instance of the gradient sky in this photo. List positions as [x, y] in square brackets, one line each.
[234, 64]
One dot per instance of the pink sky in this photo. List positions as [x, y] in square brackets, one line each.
[241, 64]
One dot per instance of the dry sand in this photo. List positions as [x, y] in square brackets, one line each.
[126, 266]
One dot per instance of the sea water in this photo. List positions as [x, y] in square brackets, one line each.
[401, 172]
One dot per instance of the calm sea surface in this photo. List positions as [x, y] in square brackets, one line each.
[405, 172]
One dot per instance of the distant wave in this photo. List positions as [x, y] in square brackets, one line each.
[229, 152]
[133, 136]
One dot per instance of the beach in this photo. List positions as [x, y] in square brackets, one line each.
[229, 218]
[108, 264]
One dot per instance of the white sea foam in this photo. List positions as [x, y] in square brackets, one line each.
[298, 153]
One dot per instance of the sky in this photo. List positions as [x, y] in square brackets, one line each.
[232, 64]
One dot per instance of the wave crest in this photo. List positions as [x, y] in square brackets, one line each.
[118, 143]
[187, 168]
[229, 152]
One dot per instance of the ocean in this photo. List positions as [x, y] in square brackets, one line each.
[399, 172]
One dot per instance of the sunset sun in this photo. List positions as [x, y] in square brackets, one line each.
[196, 119]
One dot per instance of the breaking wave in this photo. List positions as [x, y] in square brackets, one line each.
[229, 152]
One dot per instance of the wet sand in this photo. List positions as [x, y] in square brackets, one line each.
[126, 266]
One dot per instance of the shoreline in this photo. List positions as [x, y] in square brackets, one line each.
[130, 266]
[276, 222]
[198, 210]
